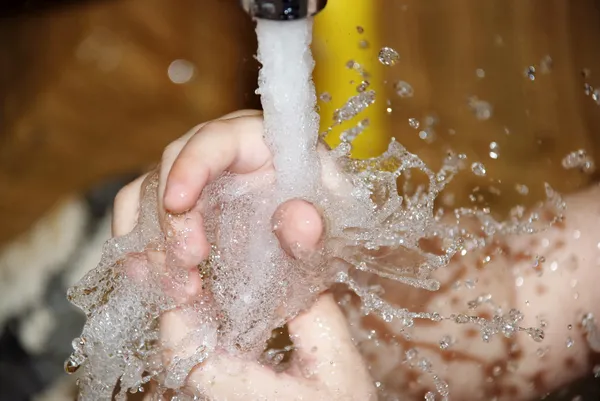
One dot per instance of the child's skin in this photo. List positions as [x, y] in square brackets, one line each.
[508, 369]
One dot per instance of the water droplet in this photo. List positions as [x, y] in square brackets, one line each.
[325, 97]
[363, 86]
[181, 71]
[446, 342]
[480, 72]
[469, 283]
[429, 396]
[481, 108]
[352, 65]
[596, 371]
[360, 29]
[404, 89]
[414, 123]
[546, 64]
[411, 354]
[596, 95]
[388, 56]
[522, 189]
[462, 319]
[536, 334]
[427, 135]
[530, 73]
[351, 134]
[354, 106]
[387, 317]
[364, 44]
[478, 169]
[570, 342]
[73, 364]
[441, 386]
[494, 150]
[579, 159]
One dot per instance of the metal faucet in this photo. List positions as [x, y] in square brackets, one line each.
[283, 10]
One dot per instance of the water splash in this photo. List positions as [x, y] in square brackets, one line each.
[378, 217]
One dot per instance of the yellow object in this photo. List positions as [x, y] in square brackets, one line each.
[342, 30]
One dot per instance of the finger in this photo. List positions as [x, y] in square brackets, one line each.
[224, 377]
[299, 226]
[242, 113]
[187, 242]
[171, 152]
[227, 378]
[126, 207]
[233, 145]
[324, 345]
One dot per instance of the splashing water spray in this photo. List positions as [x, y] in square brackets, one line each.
[375, 228]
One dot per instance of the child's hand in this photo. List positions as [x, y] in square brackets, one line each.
[327, 366]
[233, 143]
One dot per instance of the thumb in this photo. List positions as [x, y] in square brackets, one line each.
[325, 347]
[298, 225]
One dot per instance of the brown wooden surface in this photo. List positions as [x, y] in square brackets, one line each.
[86, 96]
[70, 119]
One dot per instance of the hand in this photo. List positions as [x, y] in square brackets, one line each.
[233, 144]
[326, 365]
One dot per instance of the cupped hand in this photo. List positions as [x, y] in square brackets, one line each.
[326, 365]
[231, 144]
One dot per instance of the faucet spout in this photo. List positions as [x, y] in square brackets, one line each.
[283, 10]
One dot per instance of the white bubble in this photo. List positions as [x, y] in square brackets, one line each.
[181, 71]
[404, 89]
[481, 109]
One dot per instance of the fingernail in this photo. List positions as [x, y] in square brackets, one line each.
[175, 194]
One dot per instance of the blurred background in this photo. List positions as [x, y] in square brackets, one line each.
[93, 90]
